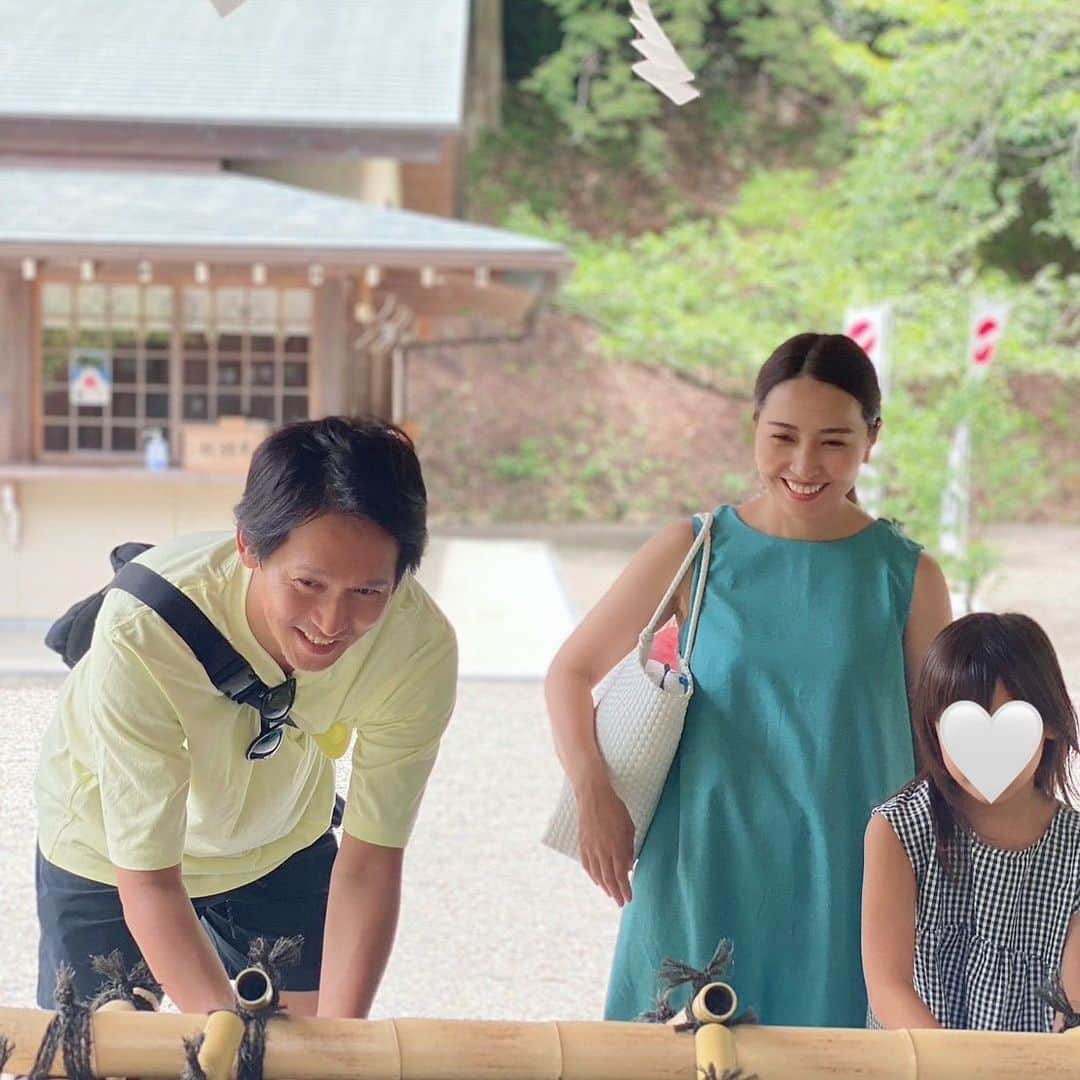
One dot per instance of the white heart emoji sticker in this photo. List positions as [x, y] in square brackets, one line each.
[991, 751]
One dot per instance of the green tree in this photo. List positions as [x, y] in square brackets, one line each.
[589, 84]
[916, 442]
[973, 106]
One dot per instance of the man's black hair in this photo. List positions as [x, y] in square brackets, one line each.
[360, 466]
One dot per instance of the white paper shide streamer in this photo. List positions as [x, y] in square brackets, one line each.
[662, 67]
[224, 7]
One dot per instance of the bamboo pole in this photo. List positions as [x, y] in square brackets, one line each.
[303, 1048]
[125, 1006]
[253, 989]
[714, 1003]
[116, 1005]
[714, 1049]
[222, 1035]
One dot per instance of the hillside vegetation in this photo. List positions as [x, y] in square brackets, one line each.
[843, 152]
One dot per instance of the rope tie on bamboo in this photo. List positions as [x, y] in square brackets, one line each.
[69, 1031]
[728, 1074]
[258, 1011]
[192, 1069]
[1053, 993]
[673, 974]
[137, 987]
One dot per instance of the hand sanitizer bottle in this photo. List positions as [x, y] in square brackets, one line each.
[156, 454]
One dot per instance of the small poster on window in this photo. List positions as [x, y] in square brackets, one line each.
[91, 380]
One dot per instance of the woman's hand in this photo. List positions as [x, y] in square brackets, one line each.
[606, 838]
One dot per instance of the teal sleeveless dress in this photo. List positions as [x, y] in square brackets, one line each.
[798, 727]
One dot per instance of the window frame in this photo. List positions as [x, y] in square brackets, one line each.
[177, 388]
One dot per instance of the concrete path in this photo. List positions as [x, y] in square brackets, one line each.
[507, 601]
[513, 599]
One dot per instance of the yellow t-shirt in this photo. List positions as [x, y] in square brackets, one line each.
[143, 767]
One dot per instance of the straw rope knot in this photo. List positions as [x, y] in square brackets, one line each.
[7, 1048]
[728, 1074]
[674, 974]
[136, 986]
[68, 1031]
[271, 960]
[192, 1069]
[1053, 993]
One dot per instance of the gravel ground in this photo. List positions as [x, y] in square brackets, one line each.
[493, 924]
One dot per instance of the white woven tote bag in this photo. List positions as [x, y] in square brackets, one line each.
[638, 723]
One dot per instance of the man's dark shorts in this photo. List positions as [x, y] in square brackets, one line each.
[80, 918]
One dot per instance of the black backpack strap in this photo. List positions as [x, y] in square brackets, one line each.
[228, 670]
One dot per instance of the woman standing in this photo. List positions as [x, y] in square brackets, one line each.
[815, 621]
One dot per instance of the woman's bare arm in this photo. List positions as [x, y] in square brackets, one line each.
[931, 612]
[606, 634]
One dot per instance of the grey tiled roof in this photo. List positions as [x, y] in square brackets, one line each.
[226, 212]
[351, 63]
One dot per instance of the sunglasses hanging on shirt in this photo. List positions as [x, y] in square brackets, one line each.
[227, 669]
[274, 705]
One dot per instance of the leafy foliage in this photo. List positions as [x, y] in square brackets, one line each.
[588, 82]
[953, 171]
[913, 463]
[973, 103]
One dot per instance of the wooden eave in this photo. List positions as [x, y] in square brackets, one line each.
[199, 140]
[333, 260]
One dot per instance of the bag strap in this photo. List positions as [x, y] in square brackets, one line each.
[699, 592]
[703, 543]
[227, 669]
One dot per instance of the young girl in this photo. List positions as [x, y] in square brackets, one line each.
[969, 907]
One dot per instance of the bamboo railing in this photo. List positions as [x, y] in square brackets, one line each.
[149, 1045]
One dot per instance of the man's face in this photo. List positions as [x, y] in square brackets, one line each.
[321, 591]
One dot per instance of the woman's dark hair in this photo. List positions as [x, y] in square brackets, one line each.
[830, 358]
[363, 467]
[965, 662]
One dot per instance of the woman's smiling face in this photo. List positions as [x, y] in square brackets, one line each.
[810, 439]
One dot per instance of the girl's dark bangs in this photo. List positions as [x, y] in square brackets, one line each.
[972, 680]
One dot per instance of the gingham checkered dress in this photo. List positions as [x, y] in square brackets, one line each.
[986, 942]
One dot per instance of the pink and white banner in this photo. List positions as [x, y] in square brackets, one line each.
[987, 325]
[869, 328]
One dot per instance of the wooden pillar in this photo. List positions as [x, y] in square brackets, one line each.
[16, 367]
[332, 357]
[484, 79]
[436, 187]
[381, 395]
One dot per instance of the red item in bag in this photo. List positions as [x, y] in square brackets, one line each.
[665, 646]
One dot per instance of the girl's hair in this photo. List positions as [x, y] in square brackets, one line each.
[965, 662]
[830, 358]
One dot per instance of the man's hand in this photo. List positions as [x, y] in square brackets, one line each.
[361, 918]
[159, 914]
